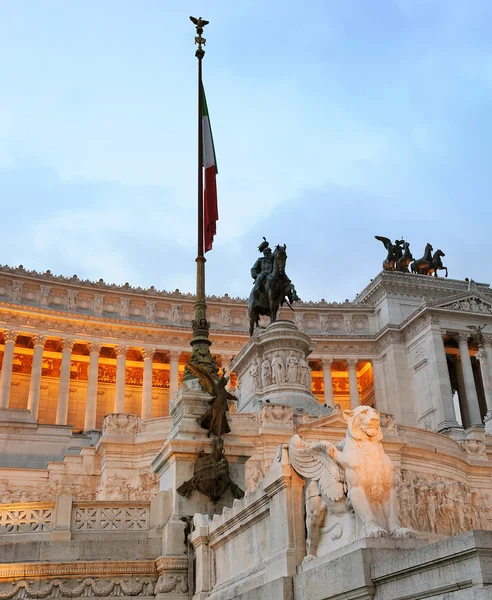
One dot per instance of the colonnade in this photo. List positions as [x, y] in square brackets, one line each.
[467, 389]
[94, 348]
[352, 380]
[121, 351]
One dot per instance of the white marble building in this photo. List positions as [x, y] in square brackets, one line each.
[96, 433]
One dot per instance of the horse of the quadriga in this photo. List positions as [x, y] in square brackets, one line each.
[430, 263]
[275, 291]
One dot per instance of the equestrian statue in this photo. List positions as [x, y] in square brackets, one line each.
[272, 287]
[399, 258]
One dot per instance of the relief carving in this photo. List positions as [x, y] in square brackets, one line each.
[266, 372]
[72, 299]
[44, 294]
[150, 310]
[278, 369]
[98, 304]
[292, 368]
[141, 486]
[124, 308]
[85, 588]
[473, 449]
[17, 290]
[121, 424]
[172, 583]
[276, 414]
[437, 505]
[475, 305]
[176, 314]
[254, 372]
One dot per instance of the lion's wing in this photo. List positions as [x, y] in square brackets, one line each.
[312, 461]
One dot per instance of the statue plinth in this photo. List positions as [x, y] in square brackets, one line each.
[273, 368]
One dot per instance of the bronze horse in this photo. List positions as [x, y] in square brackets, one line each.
[403, 262]
[422, 265]
[276, 291]
[437, 265]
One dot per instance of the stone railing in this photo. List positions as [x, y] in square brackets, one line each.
[34, 517]
[64, 519]
[110, 516]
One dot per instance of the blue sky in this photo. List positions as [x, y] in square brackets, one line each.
[332, 123]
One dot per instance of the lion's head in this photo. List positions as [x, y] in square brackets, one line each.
[363, 424]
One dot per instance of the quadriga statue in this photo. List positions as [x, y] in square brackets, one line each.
[353, 474]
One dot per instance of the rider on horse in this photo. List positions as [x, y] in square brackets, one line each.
[262, 267]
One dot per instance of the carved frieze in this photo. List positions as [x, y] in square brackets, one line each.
[438, 505]
[90, 587]
[121, 424]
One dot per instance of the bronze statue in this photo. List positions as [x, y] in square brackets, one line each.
[272, 287]
[478, 331]
[211, 475]
[399, 258]
[422, 265]
[406, 258]
[214, 419]
[395, 252]
[436, 264]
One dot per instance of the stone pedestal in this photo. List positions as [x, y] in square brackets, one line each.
[273, 368]
[174, 464]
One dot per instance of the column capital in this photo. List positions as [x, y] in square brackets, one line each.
[95, 347]
[352, 362]
[39, 340]
[10, 335]
[487, 339]
[121, 350]
[462, 337]
[327, 362]
[148, 353]
[174, 354]
[67, 343]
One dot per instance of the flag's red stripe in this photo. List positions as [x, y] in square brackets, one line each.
[210, 210]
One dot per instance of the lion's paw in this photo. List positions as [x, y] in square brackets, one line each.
[308, 558]
[402, 533]
[374, 531]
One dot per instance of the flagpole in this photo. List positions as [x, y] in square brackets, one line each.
[200, 342]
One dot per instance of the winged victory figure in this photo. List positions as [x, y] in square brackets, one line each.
[395, 251]
[214, 420]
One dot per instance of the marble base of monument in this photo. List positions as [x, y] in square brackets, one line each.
[272, 368]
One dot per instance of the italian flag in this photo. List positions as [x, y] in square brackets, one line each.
[210, 210]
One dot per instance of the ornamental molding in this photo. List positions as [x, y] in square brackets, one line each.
[410, 285]
[11, 571]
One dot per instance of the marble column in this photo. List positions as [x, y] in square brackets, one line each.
[328, 381]
[173, 374]
[468, 378]
[119, 392]
[91, 398]
[465, 417]
[64, 387]
[482, 357]
[380, 391]
[36, 371]
[353, 385]
[148, 355]
[8, 357]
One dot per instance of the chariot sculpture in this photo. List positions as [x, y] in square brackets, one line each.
[399, 258]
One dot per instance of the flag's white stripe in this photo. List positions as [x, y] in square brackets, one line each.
[208, 148]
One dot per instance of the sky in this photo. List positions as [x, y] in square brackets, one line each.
[333, 122]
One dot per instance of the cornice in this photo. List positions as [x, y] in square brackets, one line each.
[408, 284]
